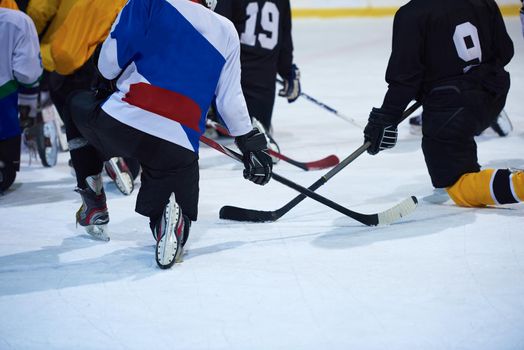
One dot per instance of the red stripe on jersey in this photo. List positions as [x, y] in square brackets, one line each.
[166, 103]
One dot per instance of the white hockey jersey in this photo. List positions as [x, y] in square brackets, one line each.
[174, 57]
[20, 64]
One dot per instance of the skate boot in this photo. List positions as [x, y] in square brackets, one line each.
[170, 231]
[93, 215]
[119, 172]
[271, 143]
[502, 125]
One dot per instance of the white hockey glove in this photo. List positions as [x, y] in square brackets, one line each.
[291, 89]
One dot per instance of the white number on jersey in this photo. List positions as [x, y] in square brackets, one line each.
[467, 43]
[269, 21]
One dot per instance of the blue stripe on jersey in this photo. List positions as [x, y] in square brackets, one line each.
[169, 53]
[9, 123]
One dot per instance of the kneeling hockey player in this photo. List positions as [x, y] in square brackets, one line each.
[450, 54]
[169, 58]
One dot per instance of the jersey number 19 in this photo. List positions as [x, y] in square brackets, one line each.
[269, 19]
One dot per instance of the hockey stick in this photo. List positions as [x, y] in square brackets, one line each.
[386, 217]
[328, 108]
[324, 163]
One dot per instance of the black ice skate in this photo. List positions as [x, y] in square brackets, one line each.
[119, 172]
[170, 232]
[93, 215]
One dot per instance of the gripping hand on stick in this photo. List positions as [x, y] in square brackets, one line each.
[381, 130]
[258, 164]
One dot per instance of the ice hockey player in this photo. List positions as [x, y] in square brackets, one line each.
[451, 55]
[264, 28]
[71, 30]
[158, 111]
[20, 65]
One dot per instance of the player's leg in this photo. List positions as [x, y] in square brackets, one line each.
[488, 187]
[9, 161]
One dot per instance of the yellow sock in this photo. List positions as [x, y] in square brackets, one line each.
[488, 187]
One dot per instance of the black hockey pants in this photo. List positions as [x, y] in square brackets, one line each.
[166, 167]
[454, 112]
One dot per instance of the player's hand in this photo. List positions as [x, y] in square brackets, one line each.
[258, 164]
[291, 89]
[381, 130]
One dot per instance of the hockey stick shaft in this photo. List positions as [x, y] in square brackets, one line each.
[327, 162]
[328, 108]
[304, 191]
[253, 215]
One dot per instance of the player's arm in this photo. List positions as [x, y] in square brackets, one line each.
[502, 41]
[286, 69]
[118, 49]
[404, 75]
[42, 12]
[232, 108]
[27, 66]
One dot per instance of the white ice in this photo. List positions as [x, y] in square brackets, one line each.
[443, 278]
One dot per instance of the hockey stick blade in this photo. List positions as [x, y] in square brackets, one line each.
[242, 214]
[324, 163]
[386, 217]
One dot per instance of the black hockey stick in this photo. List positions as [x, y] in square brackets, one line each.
[386, 217]
[324, 163]
[328, 108]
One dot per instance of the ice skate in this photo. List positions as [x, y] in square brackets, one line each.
[271, 143]
[119, 172]
[170, 232]
[93, 214]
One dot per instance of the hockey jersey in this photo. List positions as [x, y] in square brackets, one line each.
[435, 40]
[171, 58]
[19, 64]
[264, 28]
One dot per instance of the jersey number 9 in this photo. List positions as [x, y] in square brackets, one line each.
[467, 43]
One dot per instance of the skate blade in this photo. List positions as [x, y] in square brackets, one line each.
[123, 180]
[167, 248]
[98, 232]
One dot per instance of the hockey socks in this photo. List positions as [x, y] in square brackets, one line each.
[488, 187]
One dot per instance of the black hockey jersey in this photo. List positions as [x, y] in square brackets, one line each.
[264, 28]
[435, 40]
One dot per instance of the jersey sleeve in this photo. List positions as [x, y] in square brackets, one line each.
[41, 12]
[405, 71]
[229, 99]
[504, 49]
[285, 56]
[27, 66]
[118, 49]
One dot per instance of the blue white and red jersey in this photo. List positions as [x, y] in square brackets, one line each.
[173, 57]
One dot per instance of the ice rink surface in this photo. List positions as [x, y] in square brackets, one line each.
[443, 278]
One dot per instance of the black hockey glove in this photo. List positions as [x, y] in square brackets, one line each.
[291, 89]
[381, 130]
[257, 162]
